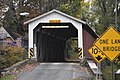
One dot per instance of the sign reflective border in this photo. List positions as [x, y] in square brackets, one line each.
[109, 43]
[80, 53]
[31, 52]
[97, 54]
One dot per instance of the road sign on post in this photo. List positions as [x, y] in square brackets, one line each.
[97, 54]
[109, 43]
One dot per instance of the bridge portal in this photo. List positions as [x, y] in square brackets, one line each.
[49, 32]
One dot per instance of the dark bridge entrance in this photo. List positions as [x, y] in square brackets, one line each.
[51, 40]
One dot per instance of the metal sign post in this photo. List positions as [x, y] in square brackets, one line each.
[112, 63]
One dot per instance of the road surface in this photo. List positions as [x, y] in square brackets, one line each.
[55, 71]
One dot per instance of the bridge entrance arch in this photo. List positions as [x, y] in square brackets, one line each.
[50, 40]
[51, 30]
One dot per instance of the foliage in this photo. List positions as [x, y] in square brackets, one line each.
[2, 59]
[103, 14]
[8, 77]
[117, 62]
[10, 19]
[11, 55]
[73, 56]
[99, 14]
[71, 49]
[76, 8]
[107, 72]
[107, 68]
[104, 11]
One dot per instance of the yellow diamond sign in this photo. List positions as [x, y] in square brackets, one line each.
[97, 54]
[109, 43]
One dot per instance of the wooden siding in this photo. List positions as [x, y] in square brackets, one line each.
[88, 41]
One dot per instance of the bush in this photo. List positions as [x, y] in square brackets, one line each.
[2, 59]
[107, 72]
[117, 62]
[11, 55]
[8, 77]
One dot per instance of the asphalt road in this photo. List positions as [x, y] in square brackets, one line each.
[55, 71]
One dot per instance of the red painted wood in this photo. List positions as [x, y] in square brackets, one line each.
[88, 41]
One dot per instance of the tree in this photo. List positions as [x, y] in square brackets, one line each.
[104, 12]
[99, 14]
[35, 7]
[9, 55]
[10, 19]
[76, 8]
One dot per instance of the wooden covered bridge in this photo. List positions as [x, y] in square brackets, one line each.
[49, 32]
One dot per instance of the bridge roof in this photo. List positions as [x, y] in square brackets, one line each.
[55, 11]
[85, 25]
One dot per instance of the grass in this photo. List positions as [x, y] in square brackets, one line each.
[82, 79]
[7, 77]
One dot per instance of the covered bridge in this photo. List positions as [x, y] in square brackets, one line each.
[49, 32]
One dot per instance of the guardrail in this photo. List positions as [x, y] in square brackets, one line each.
[95, 69]
[15, 66]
